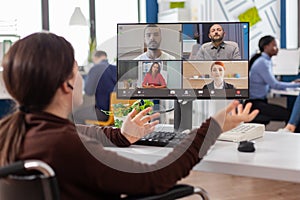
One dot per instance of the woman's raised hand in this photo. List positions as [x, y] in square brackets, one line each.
[234, 114]
[137, 125]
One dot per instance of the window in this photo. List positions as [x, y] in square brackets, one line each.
[106, 24]
[59, 16]
[14, 19]
[125, 11]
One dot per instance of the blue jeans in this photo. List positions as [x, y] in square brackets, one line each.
[295, 116]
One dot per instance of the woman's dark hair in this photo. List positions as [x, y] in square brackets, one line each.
[33, 69]
[150, 70]
[261, 45]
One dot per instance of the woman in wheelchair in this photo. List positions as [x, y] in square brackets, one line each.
[41, 74]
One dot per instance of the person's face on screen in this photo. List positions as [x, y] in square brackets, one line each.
[152, 37]
[271, 49]
[155, 69]
[216, 33]
[217, 72]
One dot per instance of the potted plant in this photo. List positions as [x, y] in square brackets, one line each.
[120, 111]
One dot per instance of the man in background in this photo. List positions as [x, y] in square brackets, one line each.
[218, 49]
[100, 81]
[152, 39]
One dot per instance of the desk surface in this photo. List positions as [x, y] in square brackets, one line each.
[289, 91]
[277, 157]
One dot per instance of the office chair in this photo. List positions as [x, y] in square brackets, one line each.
[110, 120]
[20, 180]
[28, 180]
[260, 118]
[177, 192]
[6, 107]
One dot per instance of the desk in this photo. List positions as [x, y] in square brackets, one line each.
[277, 157]
[290, 92]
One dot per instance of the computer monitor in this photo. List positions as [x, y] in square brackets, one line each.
[286, 62]
[180, 61]
[185, 60]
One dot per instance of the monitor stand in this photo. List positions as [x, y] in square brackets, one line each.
[183, 115]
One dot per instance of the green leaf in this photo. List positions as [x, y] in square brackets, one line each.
[121, 110]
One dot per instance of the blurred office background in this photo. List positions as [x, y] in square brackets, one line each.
[21, 18]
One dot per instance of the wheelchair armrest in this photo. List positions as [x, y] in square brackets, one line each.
[15, 167]
[178, 191]
[22, 166]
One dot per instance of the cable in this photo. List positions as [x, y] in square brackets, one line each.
[166, 111]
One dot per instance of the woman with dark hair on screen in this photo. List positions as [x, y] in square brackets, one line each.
[40, 129]
[217, 72]
[262, 79]
[153, 78]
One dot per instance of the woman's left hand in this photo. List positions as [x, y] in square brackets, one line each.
[137, 125]
[234, 114]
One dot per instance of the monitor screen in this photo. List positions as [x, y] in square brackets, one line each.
[183, 60]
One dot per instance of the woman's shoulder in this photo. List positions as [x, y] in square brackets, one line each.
[208, 86]
[260, 63]
[160, 75]
[147, 74]
[229, 86]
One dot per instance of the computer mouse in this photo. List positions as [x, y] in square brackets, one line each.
[246, 146]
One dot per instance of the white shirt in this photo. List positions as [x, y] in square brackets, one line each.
[163, 56]
[219, 87]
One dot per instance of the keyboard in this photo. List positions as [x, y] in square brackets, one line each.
[161, 139]
[245, 131]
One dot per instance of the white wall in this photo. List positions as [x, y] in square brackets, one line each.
[292, 24]
[59, 16]
[269, 12]
[108, 15]
[26, 14]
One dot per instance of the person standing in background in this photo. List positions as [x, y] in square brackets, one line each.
[100, 81]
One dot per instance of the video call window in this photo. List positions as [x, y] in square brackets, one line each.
[135, 39]
[201, 36]
[183, 60]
